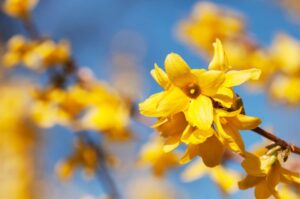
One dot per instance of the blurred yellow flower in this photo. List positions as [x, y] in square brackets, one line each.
[18, 139]
[286, 89]
[36, 55]
[208, 22]
[19, 8]
[84, 156]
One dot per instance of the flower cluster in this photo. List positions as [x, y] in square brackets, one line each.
[199, 107]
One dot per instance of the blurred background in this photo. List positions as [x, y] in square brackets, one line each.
[120, 40]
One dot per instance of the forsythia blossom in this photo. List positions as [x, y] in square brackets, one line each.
[198, 107]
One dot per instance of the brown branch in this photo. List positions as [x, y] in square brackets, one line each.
[284, 144]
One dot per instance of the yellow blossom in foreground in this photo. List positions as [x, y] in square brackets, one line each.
[224, 178]
[152, 154]
[199, 108]
[265, 173]
[19, 8]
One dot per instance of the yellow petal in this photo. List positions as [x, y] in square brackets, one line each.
[273, 178]
[164, 103]
[224, 96]
[211, 151]
[194, 171]
[160, 77]
[290, 176]
[149, 106]
[200, 112]
[219, 61]
[262, 191]
[171, 143]
[196, 136]
[235, 78]
[190, 153]
[178, 70]
[245, 122]
[173, 125]
[210, 81]
[230, 137]
[249, 181]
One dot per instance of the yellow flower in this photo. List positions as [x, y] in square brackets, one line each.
[211, 22]
[265, 173]
[47, 53]
[17, 47]
[284, 52]
[36, 55]
[160, 161]
[228, 125]
[19, 8]
[224, 178]
[285, 89]
[84, 156]
[108, 112]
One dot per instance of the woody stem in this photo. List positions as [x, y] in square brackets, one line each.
[284, 144]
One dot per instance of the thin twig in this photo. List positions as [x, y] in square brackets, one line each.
[284, 144]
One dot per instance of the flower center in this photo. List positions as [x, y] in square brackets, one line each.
[193, 90]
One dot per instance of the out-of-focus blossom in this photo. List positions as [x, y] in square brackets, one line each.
[36, 55]
[224, 178]
[208, 22]
[17, 144]
[19, 8]
[84, 156]
[285, 54]
[152, 154]
[286, 89]
[84, 107]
